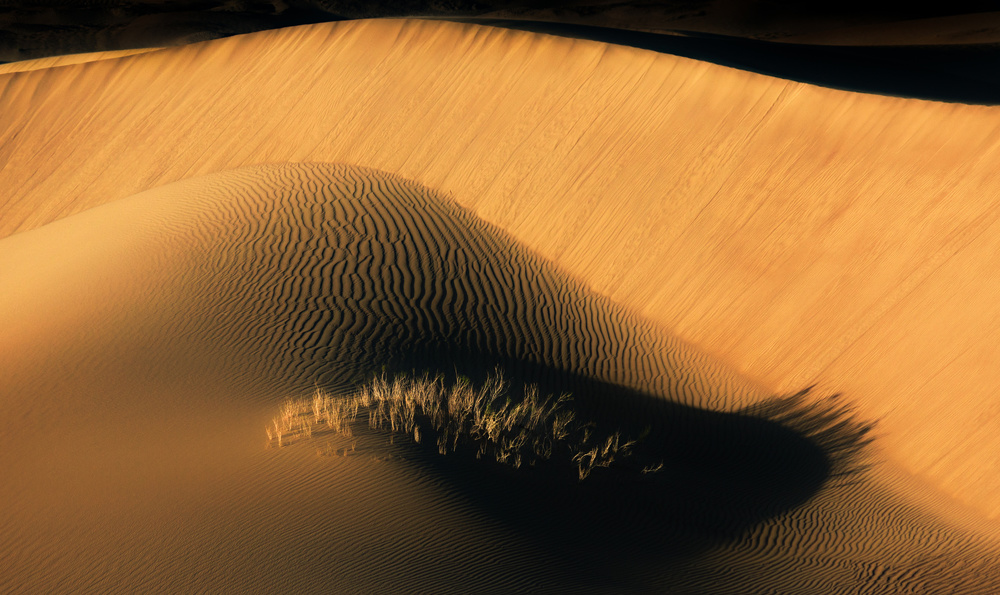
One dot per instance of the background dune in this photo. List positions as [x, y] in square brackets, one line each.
[151, 338]
[961, 73]
[941, 52]
[803, 235]
[35, 30]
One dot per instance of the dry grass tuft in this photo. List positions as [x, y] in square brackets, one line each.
[530, 430]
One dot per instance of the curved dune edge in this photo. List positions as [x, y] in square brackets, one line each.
[68, 59]
[138, 443]
[301, 274]
[802, 234]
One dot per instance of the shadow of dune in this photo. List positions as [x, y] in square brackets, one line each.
[950, 73]
[348, 271]
[723, 473]
[320, 274]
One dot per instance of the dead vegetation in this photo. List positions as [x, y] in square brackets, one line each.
[525, 431]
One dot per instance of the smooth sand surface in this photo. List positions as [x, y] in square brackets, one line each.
[66, 59]
[798, 235]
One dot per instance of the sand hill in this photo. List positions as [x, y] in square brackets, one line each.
[66, 59]
[672, 240]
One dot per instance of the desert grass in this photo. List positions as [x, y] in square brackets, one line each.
[486, 419]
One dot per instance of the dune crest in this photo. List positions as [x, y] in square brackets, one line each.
[345, 270]
[802, 234]
[68, 59]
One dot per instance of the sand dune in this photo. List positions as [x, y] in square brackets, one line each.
[208, 300]
[410, 280]
[957, 73]
[802, 234]
[674, 241]
[65, 59]
[32, 31]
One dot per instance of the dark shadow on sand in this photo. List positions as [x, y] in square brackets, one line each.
[723, 473]
[951, 73]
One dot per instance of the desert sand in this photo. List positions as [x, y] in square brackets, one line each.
[66, 59]
[194, 234]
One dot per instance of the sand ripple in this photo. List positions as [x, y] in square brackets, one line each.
[137, 446]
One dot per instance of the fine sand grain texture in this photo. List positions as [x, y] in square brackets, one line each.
[673, 242]
[135, 398]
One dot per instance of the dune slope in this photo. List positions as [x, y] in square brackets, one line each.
[802, 234]
[151, 339]
[65, 59]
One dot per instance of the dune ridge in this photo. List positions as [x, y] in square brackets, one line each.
[804, 235]
[314, 272]
[67, 59]
[247, 286]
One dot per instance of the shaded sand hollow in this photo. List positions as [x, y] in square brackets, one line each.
[148, 342]
[798, 235]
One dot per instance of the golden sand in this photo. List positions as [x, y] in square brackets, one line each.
[799, 235]
[67, 59]
[150, 340]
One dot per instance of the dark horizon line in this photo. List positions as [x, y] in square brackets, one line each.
[946, 73]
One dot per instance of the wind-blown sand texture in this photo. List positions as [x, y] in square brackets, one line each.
[754, 237]
[66, 59]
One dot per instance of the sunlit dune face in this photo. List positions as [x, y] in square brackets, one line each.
[759, 219]
[674, 244]
[68, 59]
